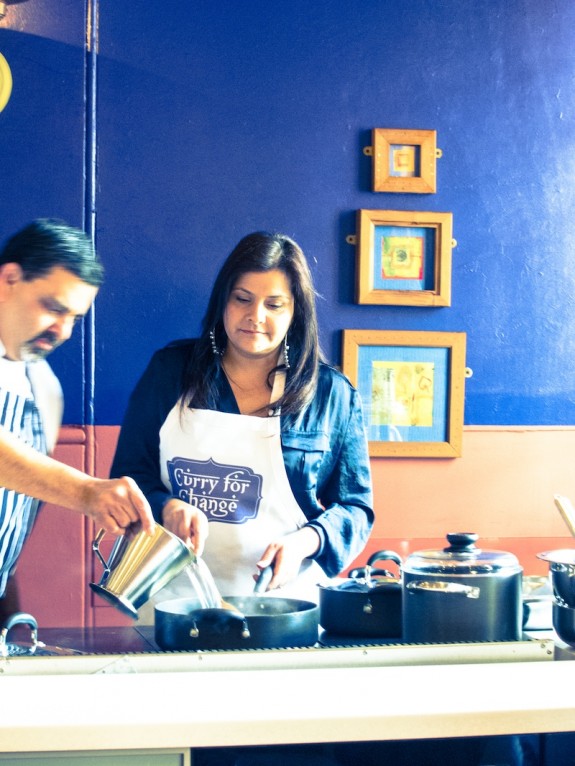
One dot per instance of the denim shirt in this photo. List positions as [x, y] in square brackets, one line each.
[324, 449]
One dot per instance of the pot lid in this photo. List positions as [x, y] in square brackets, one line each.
[360, 583]
[462, 557]
[562, 556]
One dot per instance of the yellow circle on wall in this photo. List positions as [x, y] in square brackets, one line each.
[5, 82]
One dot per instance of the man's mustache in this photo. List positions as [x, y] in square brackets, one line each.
[48, 336]
[32, 351]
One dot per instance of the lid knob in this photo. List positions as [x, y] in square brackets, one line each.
[461, 541]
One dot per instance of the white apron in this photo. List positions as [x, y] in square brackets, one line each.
[231, 467]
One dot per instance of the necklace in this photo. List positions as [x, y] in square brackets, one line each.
[257, 385]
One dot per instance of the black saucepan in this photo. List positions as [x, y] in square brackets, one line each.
[368, 604]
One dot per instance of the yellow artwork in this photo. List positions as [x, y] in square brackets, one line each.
[402, 394]
[5, 82]
[403, 160]
[402, 257]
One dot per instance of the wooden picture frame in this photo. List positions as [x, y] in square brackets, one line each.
[404, 258]
[412, 386]
[404, 160]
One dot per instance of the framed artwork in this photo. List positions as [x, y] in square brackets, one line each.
[404, 258]
[412, 387]
[404, 160]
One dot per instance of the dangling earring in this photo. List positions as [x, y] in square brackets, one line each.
[286, 356]
[215, 349]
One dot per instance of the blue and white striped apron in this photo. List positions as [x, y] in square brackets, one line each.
[19, 415]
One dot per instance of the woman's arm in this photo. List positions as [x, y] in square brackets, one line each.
[327, 462]
[346, 493]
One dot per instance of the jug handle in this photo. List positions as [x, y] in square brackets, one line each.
[96, 550]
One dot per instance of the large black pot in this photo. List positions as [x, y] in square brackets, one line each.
[461, 593]
[260, 622]
[368, 604]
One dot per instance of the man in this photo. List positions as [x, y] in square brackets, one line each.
[49, 277]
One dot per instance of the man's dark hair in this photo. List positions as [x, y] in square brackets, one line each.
[47, 243]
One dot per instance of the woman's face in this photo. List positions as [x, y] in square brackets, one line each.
[258, 313]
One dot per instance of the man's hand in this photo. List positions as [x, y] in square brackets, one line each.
[116, 504]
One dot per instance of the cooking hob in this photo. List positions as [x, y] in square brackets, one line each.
[134, 650]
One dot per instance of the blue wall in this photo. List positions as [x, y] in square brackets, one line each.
[217, 117]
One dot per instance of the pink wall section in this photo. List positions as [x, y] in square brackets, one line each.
[502, 488]
[54, 566]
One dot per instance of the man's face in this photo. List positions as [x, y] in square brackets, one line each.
[38, 315]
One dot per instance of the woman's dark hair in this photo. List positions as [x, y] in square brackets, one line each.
[47, 243]
[260, 252]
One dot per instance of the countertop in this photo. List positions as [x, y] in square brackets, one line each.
[123, 709]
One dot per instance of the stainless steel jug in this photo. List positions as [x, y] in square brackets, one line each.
[139, 566]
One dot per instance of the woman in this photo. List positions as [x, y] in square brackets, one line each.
[246, 432]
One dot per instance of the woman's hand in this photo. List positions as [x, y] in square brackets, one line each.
[187, 522]
[287, 554]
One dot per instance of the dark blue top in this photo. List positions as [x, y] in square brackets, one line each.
[324, 449]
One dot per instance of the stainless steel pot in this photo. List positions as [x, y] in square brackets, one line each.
[461, 593]
[564, 623]
[562, 571]
[367, 604]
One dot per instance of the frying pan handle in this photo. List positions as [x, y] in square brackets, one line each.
[217, 621]
[263, 580]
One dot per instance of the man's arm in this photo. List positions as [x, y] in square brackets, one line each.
[113, 504]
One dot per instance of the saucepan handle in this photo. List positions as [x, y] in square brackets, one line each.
[447, 588]
[359, 573]
[384, 556]
[19, 618]
[215, 621]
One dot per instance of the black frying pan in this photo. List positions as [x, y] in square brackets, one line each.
[260, 622]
